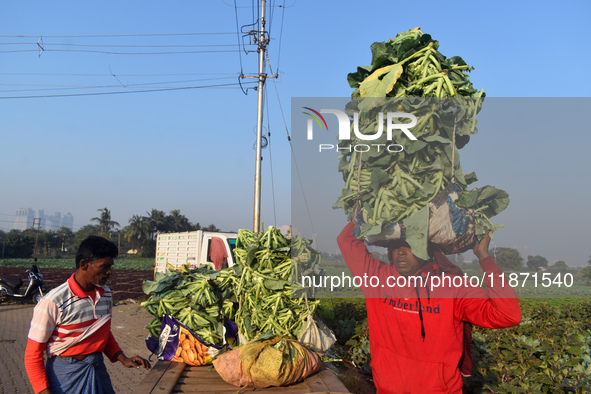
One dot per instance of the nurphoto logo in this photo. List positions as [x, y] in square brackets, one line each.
[344, 123]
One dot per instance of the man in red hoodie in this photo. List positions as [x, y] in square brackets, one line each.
[416, 319]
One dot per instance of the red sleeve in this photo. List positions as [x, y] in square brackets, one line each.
[35, 366]
[361, 262]
[354, 251]
[495, 307]
[112, 348]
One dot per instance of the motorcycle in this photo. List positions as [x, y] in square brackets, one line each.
[10, 287]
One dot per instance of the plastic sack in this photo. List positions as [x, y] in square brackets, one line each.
[261, 363]
[449, 226]
[180, 344]
[317, 335]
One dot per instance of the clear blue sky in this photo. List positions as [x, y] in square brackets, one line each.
[192, 148]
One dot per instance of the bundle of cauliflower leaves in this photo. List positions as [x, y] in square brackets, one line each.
[409, 75]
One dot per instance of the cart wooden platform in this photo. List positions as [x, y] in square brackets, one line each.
[167, 377]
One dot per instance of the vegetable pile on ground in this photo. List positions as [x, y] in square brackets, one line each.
[268, 300]
[256, 294]
[408, 75]
[198, 298]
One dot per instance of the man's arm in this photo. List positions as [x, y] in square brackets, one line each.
[498, 305]
[355, 253]
[363, 265]
[42, 326]
[133, 362]
[112, 348]
[35, 366]
[114, 353]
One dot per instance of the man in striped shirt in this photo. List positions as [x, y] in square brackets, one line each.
[72, 325]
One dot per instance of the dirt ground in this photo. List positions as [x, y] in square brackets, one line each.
[124, 284]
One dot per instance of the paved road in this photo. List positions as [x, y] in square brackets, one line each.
[128, 324]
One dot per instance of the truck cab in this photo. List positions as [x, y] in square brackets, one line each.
[195, 248]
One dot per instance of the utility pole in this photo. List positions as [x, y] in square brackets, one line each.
[262, 42]
[36, 227]
[262, 45]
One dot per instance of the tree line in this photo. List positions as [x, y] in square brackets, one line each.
[138, 237]
[509, 259]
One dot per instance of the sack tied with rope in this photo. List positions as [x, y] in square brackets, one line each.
[279, 361]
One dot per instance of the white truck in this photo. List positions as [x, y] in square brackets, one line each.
[195, 248]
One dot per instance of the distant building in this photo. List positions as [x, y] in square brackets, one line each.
[24, 219]
[53, 222]
[68, 221]
[40, 220]
[27, 218]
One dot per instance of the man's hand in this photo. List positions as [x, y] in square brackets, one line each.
[481, 248]
[133, 362]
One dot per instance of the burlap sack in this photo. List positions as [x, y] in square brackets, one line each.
[263, 363]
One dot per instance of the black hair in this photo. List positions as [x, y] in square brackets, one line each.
[95, 248]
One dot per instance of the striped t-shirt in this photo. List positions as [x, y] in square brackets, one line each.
[66, 312]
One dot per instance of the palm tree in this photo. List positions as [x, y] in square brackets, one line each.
[137, 232]
[176, 222]
[104, 221]
[211, 227]
[157, 221]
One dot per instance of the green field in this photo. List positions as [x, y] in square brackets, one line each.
[124, 263]
[549, 352]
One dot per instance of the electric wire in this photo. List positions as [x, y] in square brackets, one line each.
[123, 53]
[238, 36]
[72, 87]
[248, 6]
[235, 85]
[122, 45]
[270, 156]
[293, 156]
[116, 35]
[280, 36]
[254, 18]
[109, 75]
[271, 14]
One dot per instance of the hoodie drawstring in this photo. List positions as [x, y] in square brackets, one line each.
[421, 314]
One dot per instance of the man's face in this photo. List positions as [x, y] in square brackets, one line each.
[405, 262]
[98, 271]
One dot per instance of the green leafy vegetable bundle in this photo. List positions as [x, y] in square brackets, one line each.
[265, 291]
[256, 293]
[408, 75]
[198, 298]
[306, 263]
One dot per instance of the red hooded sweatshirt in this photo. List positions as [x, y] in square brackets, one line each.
[416, 329]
